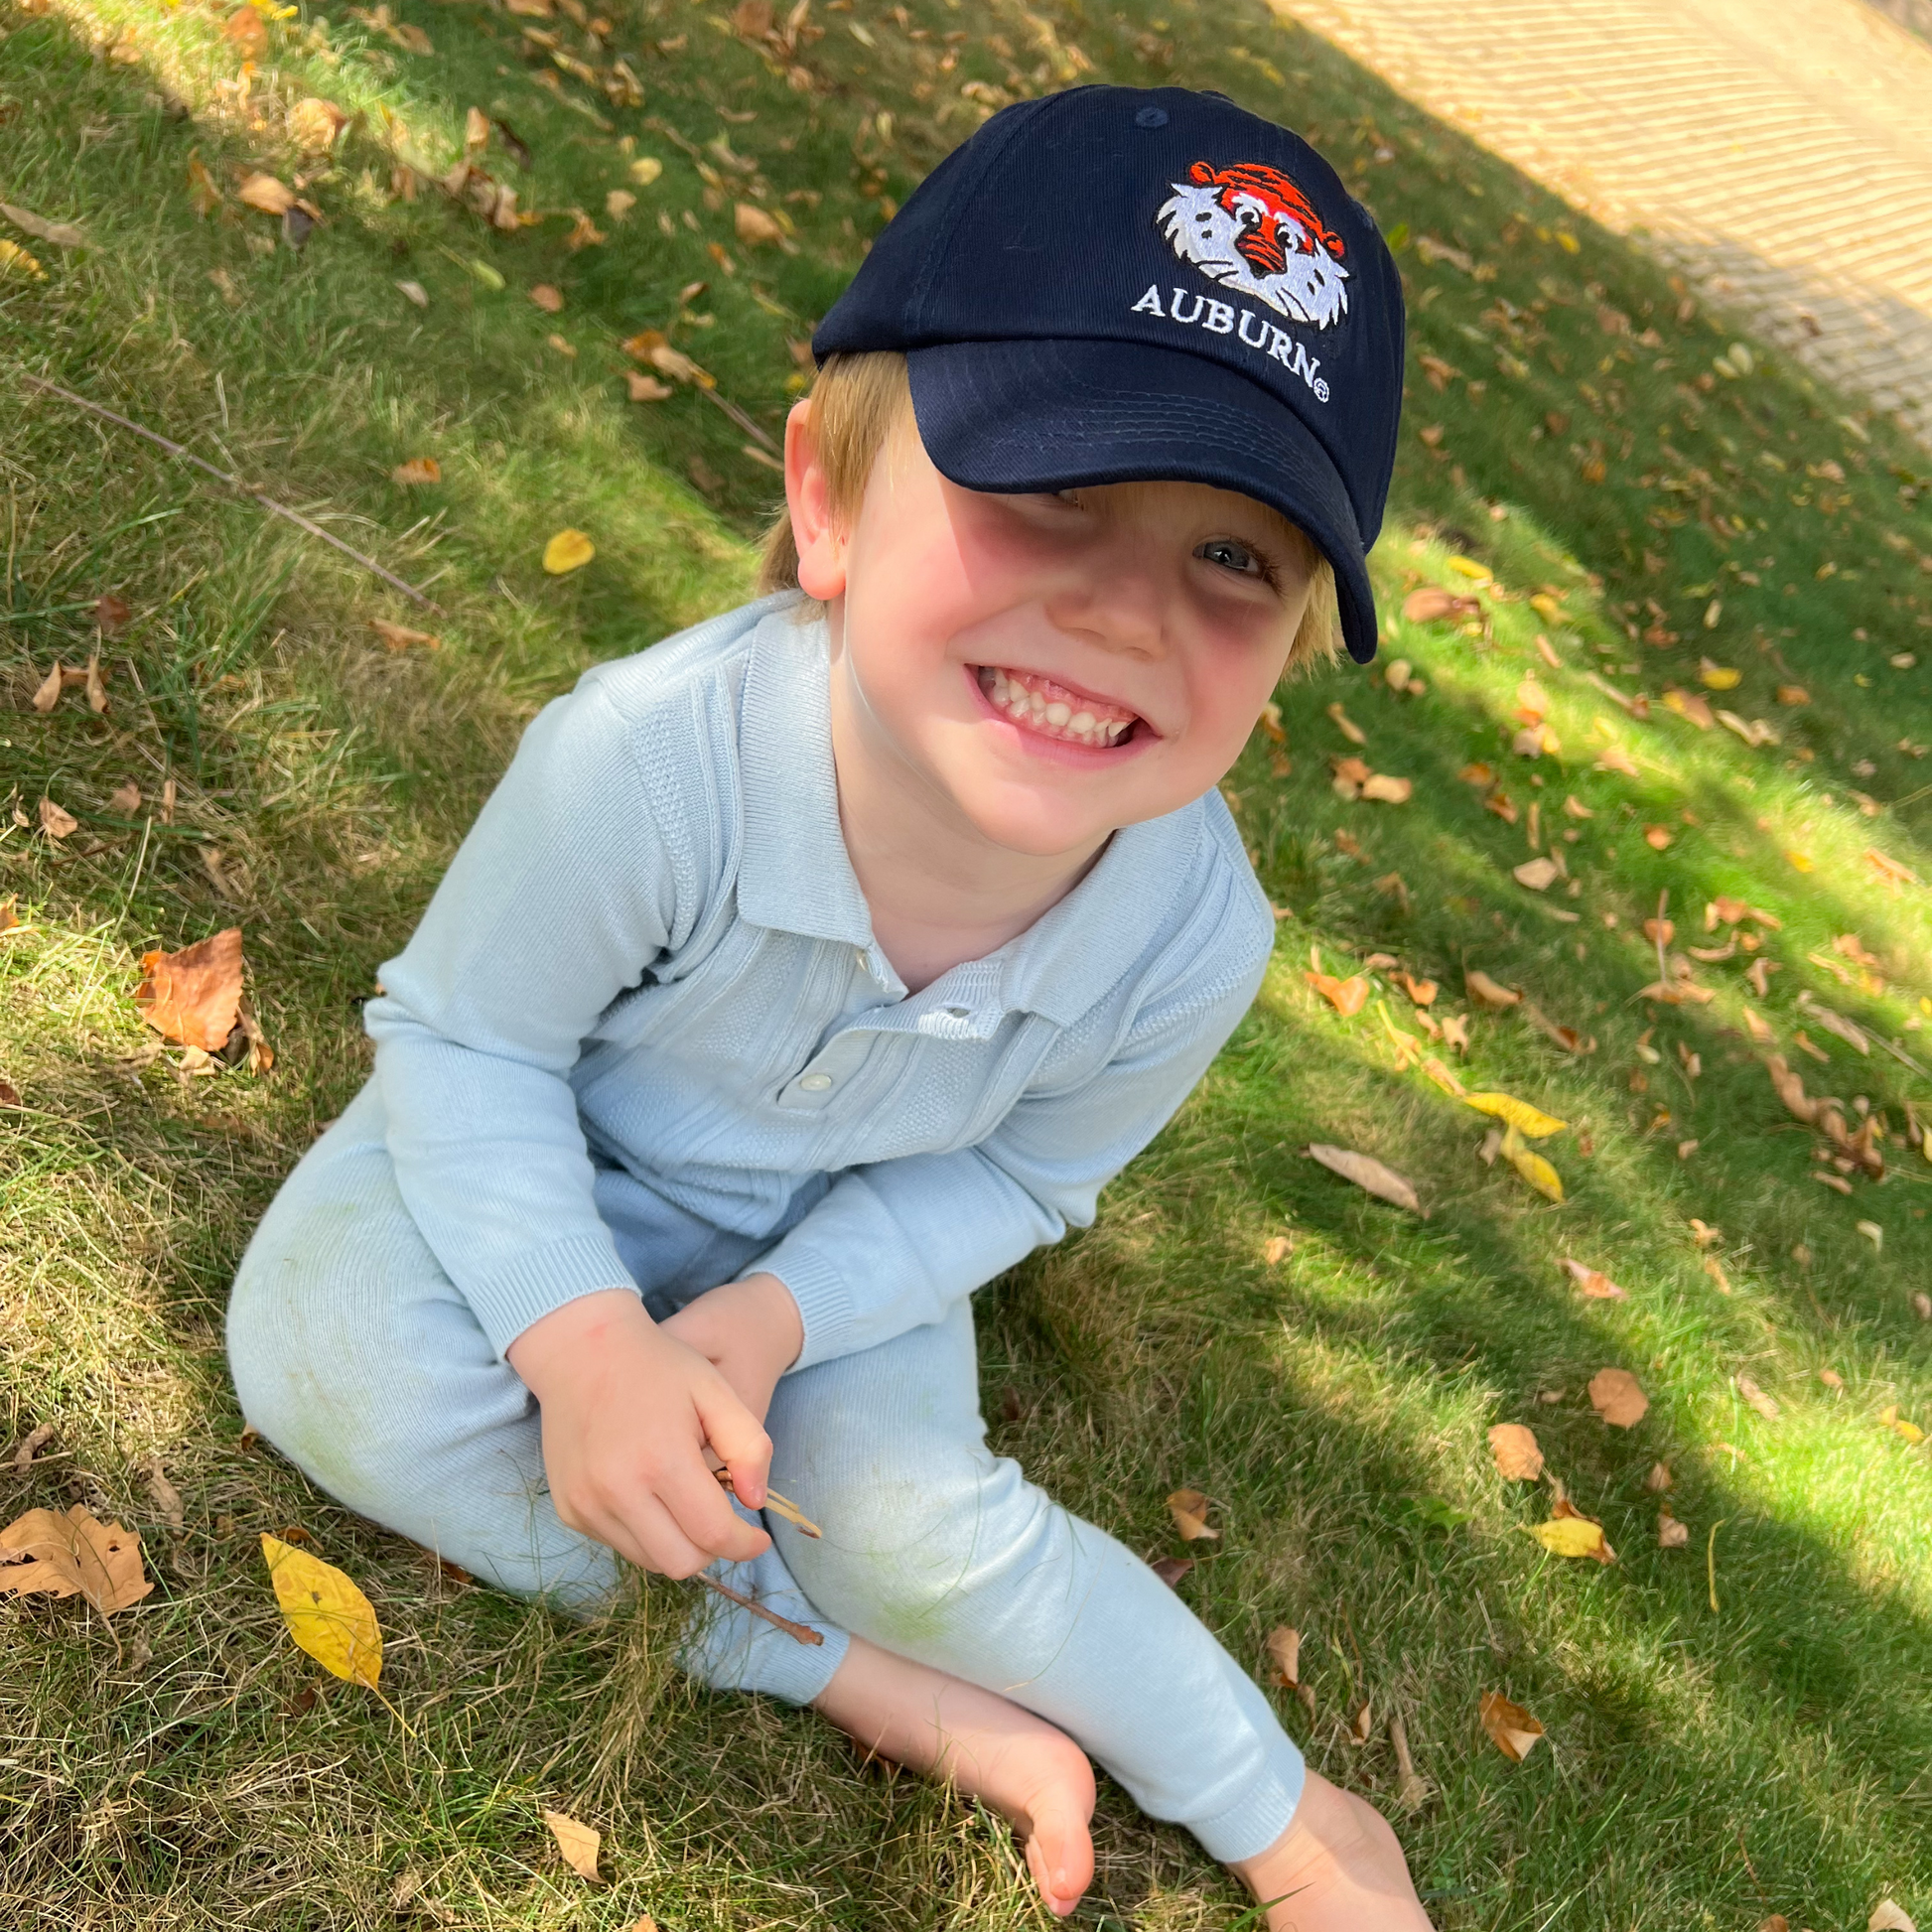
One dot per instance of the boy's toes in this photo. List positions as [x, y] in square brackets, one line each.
[1059, 1855]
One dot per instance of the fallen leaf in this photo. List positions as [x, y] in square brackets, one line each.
[48, 1552]
[1486, 993]
[1616, 1396]
[1592, 1283]
[1718, 677]
[1348, 996]
[399, 636]
[1515, 1113]
[1614, 757]
[418, 469]
[1348, 725]
[646, 170]
[1188, 1508]
[1361, 1724]
[568, 550]
[1511, 1729]
[1889, 1916]
[62, 235]
[1657, 837]
[1170, 1569]
[1276, 1250]
[1690, 707]
[14, 259]
[646, 389]
[1659, 1479]
[619, 202]
[1386, 790]
[578, 1842]
[1800, 861]
[1285, 1647]
[550, 300]
[1539, 875]
[1830, 1378]
[327, 1616]
[1476, 774]
[1518, 1459]
[97, 685]
[1908, 1432]
[47, 694]
[57, 823]
[1671, 1534]
[266, 194]
[1456, 1031]
[1873, 1233]
[247, 32]
[1767, 1405]
[126, 798]
[1430, 603]
[1570, 1533]
[192, 996]
[167, 1498]
[1531, 1166]
[751, 224]
[414, 292]
[1366, 1173]
[1422, 992]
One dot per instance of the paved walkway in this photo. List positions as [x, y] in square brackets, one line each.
[1778, 151]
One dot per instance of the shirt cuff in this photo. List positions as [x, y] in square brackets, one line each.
[509, 1300]
[824, 1304]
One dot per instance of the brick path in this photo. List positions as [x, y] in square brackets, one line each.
[1778, 151]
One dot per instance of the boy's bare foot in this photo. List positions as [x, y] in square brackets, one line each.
[1034, 1776]
[1337, 1869]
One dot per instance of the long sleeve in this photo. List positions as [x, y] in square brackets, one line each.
[892, 1245]
[559, 899]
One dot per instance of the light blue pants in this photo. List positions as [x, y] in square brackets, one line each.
[356, 1356]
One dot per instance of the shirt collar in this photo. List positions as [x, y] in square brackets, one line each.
[794, 874]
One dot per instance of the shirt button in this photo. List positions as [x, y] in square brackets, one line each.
[815, 1082]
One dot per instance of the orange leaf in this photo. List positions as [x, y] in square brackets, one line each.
[1592, 1283]
[1188, 1508]
[1512, 1730]
[1348, 996]
[1513, 1445]
[195, 995]
[1616, 1396]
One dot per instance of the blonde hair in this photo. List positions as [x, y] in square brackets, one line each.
[857, 403]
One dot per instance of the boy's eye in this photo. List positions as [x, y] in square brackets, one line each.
[1231, 554]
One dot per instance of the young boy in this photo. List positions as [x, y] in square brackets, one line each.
[809, 969]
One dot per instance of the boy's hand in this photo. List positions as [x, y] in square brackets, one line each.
[749, 1331]
[627, 1411]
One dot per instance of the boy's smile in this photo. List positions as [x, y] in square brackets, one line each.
[1017, 677]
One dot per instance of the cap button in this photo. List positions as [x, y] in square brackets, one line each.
[1150, 117]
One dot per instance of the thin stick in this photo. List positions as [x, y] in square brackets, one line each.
[803, 1632]
[773, 1500]
[269, 504]
[743, 421]
[1711, 1551]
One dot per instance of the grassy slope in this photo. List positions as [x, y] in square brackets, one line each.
[1705, 1768]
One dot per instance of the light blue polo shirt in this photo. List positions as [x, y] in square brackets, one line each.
[644, 1015]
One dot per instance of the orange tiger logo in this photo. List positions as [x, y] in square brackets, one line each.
[1250, 228]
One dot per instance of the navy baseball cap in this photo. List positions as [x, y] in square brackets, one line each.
[1117, 284]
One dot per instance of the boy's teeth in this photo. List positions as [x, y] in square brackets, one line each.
[1052, 716]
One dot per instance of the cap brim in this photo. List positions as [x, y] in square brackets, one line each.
[1026, 415]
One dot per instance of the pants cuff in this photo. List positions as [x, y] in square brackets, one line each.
[1253, 1823]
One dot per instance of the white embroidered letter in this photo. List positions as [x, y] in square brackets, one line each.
[1253, 342]
[1303, 367]
[1175, 314]
[1149, 304]
[1278, 346]
[1221, 319]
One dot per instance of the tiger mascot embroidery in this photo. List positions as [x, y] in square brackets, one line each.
[1249, 228]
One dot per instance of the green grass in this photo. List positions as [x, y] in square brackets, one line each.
[1703, 1768]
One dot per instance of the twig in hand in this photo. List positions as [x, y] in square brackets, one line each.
[803, 1632]
[267, 503]
[773, 1500]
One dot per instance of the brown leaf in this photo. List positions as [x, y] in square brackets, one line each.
[314, 124]
[97, 685]
[247, 32]
[418, 469]
[1657, 837]
[1170, 1569]
[1767, 1405]
[1346, 724]
[1188, 1508]
[1614, 757]
[547, 298]
[1383, 788]
[1539, 875]
[1422, 992]
[1889, 1916]
[1430, 603]
[646, 389]
[1615, 1395]
[57, 823]
[167, 1498]
[1348, 997]
[1285, 1647]
[73, 1555]
[193, 996]
[1511, 1729]
[1456, 1031]
[1659, 1479]
[47, 694]
[1486, 993]
[1592, 1283]
[578, 1842]
[752, 224]
[399, 636]
[1513, 1445]
[263, 192]
[1277, 1249]
[1366, 1173]
[1412, 1789]
[1671, 1534]
[64, 234]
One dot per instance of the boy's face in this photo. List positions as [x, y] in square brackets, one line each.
[1048, 668]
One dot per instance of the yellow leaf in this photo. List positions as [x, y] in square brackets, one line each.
[646, 170]
[1515, 1113]
[328, 1616]
[1532, 1166]
[1718, 677]
[1569, 1535]
[15, 258]
[578, 1842]
[1800, 861]
[568, 550]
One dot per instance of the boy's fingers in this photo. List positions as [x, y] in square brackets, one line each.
[702, 1512]
[649, 1537]
[734, 1434]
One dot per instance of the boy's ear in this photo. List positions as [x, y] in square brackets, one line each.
[815, 533]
